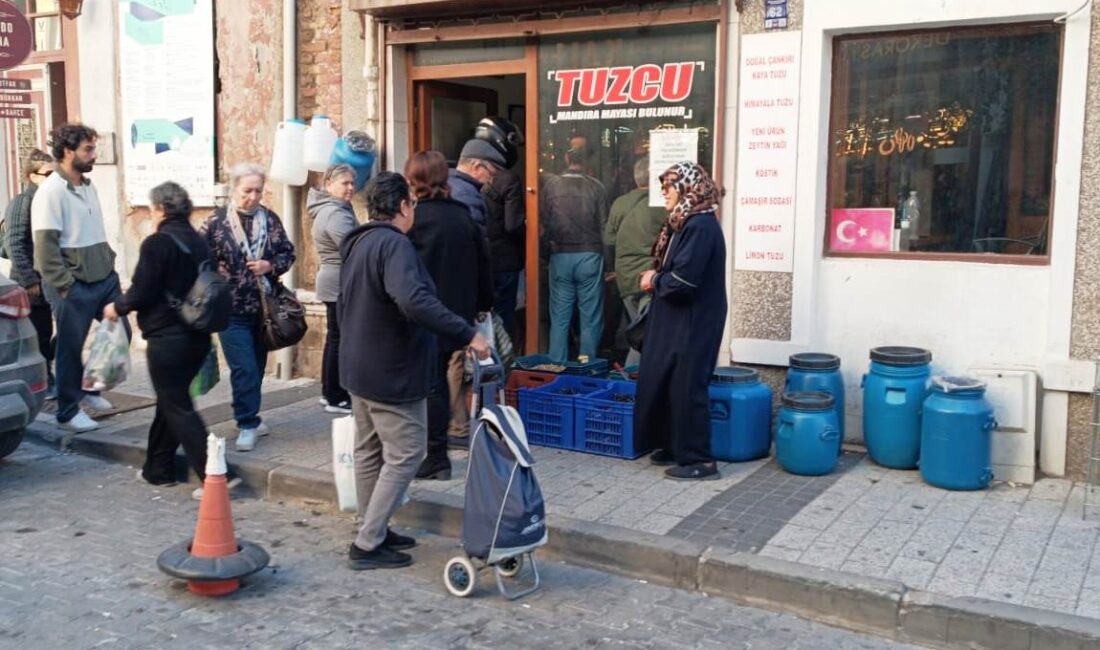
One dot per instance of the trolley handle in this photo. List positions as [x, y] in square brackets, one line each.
[481, 372]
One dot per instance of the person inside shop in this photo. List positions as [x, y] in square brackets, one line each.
[388, 312]
[684, 328]
[19, 245]
[478, 162]
[333, 217]
[456, 256]
[632, 227]
[574, 214]
[506, 218]
[251, 247]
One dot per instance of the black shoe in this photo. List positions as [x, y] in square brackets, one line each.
[380, 558]
[694, 472]
[434, 470]
[661, 458]
[398, 542]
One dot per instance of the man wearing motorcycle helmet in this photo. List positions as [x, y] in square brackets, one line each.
[506, 223]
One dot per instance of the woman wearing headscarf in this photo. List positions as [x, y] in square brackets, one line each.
[249, 246]
[685, 323]
[332, 219]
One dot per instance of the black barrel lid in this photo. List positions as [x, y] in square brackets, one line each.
[900, 355]
[810, 400]
[735, 375]
[814, 361]
[957, 384]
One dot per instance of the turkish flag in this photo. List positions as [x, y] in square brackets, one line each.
[861, 230]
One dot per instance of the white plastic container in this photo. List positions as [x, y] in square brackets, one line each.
[320, 140]
[287, 161]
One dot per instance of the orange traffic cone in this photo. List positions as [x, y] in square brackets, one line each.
[214, 536]
[214, 560]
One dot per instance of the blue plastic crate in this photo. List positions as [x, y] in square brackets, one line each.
[548, 415]
[593, 368]
[605, 426]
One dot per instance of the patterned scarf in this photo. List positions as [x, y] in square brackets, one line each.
[253, 245]
[697, 194]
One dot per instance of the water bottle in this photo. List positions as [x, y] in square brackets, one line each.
[910, 220]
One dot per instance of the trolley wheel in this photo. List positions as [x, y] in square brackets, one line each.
[511, 567]
[460, 576]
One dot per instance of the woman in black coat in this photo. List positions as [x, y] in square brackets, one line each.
[175, 351]
[684, 332]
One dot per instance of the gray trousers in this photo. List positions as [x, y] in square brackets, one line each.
[391, 441]
[633, 305]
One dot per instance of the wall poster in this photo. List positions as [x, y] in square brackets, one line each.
[166, 70]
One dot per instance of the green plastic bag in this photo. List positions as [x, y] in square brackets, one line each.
[209, 374]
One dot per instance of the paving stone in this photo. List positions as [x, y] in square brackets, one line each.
[1088, 603]
[1007, 588]
[1051, 489]
[915, 574]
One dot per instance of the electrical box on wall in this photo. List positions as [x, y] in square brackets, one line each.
[1014, 395]
[106, 149]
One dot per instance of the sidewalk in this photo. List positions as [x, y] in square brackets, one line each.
[1025, 546]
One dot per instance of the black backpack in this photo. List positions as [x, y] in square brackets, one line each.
[209, 303]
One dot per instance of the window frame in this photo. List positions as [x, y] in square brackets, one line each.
[941, 256]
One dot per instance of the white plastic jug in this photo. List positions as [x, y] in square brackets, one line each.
[320, 141]
[287, 163]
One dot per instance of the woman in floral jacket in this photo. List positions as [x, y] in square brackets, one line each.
[250, 247]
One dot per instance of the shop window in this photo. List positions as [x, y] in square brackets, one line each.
[45, 19]
[942, 142]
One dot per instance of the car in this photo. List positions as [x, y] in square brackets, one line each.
[22, 367]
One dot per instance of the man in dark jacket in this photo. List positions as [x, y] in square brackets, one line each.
[574, 214]
[387, 299]
[507, 229]
[477, 164]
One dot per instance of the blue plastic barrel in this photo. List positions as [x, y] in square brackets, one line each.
[740, 415]
[817, 371]
[807, 435]
[956, 435]
[893, 394]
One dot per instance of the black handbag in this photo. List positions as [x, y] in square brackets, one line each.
[284, 321]
[209, 302]
[635, 331]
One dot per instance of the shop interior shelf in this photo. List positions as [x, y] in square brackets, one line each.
[605, 422]
[548, 411]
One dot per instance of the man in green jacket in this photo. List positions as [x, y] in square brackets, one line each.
[632, 227]
[76, 263]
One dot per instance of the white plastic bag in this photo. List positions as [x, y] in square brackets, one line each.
[343, 462]
[109, 357]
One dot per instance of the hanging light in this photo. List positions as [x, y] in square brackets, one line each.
[71, 8]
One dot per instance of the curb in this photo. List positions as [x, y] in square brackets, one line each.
[882, 607]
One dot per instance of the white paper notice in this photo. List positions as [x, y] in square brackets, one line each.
[166, 73]
[767, 152]
[666, 148]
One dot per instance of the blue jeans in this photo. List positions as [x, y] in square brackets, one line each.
[75, 312]
[576, 281]
[244, 351]
[505, 286]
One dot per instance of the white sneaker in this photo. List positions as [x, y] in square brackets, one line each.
[233, 483]
[262, 430]
[246, 440]
[97, 403]
[322, 401]
[80, 423]
[343, 408]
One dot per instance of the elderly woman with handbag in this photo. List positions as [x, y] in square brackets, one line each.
[250, 247]
[683, 326]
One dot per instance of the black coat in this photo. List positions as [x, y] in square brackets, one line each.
[387, 306]
[507, 222]
[452, 249]
[163, 269]
[683, 336]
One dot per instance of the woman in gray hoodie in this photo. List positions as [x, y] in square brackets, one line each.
[332, 219]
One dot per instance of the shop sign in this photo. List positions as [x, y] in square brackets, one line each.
[625, 92]
[16, 113]
[767, 152]
[775, 14]
[15, 98]
[15, 84]
[15, 36]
